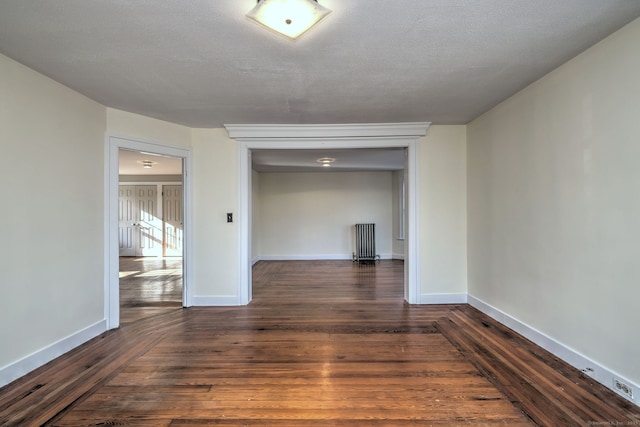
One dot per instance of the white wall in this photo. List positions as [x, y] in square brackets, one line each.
[311, 215]
[442, 215]
[216, 261]
[51, 256]
[137, 127]
[554, 205]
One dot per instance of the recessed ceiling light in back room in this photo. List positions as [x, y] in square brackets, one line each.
[147, 164]
[291, 18]
[326, 161]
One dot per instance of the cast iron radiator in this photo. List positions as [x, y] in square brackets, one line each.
[365, 243]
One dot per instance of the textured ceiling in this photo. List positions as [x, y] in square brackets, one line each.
[201, 63]
[131, 163]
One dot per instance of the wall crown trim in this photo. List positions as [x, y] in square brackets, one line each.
[350, 130]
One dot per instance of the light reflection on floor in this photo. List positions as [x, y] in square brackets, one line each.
[127, 273]
[149, 286]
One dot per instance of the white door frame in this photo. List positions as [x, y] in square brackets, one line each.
[111, 277]
[377, 135]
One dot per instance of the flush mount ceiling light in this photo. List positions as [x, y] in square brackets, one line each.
[147, 164]
[288, 17]
[326, 161]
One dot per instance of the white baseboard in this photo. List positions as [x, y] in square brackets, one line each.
[313, 257]
[596, 371]
[460, 298]
[215, 301]
[27, 364]
[397, 256]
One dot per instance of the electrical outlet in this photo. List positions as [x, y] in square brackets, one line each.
[589, 371]
[623, 388]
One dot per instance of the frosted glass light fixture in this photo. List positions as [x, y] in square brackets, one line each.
[288, 17]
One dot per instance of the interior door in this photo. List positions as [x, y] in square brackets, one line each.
[172, 216]
[127, 220]
[140, 231]
[149, 235]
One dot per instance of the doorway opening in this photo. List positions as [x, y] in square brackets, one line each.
[148, 229]
[351, 136]
[307, 213]
[150, 234]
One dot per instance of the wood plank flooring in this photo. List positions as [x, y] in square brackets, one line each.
[149, 286]
[324, 343]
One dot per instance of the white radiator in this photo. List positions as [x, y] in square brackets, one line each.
[365, 243]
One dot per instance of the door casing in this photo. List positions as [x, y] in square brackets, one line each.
[111, 253]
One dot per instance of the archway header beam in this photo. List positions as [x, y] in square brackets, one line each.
[329, 131]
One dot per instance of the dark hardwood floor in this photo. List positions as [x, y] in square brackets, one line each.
[149, 286]
[326, 343]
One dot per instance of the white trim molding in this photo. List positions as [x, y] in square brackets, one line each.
[244, 285]
[455, 298]
[599, 373]
[329, 136]
[33, 361]
[314, 257]
[340, 131]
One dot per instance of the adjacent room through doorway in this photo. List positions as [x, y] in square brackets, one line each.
[306, 203]
[150, 234]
